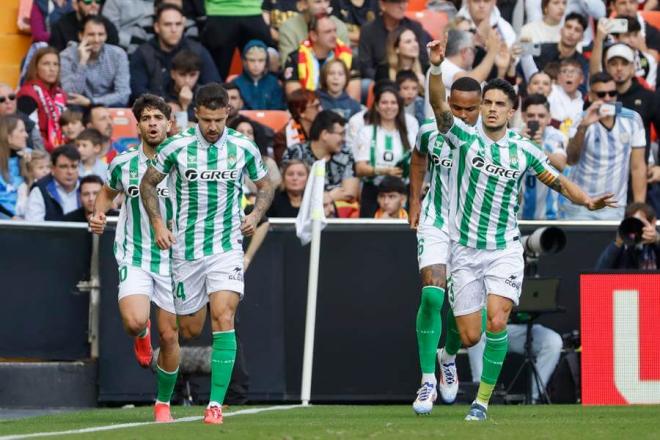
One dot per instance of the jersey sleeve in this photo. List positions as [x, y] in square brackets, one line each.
[639, 133]
[458, 135]
[362, 144]
[424, 135]
[165, 158]
[254, 164]
[113, 179]
[538, 164]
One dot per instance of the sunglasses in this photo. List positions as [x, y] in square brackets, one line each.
[610, 93]
[9, 97]
[89, 2]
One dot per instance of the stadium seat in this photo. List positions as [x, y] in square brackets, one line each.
[123, 123]
[8, 19]
[433, 22]
[275, 119]
[370, 95]
[416, 5]
[236, 67]
[14, 47]
[652, 17]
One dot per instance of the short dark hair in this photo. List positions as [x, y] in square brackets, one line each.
[577, 17]
[152, 102]
[647, 209]
[325, 120]
[87, 113]
[96, 19]
[92, 178]
[406, 75]
[92, 135]
[571, 61]
[535, 99]
[466, 84]
[212, 96]
[391, 184]
[231, 86]
[600, 77]
[186, 61]
[314, 21]
[67, 150]
[69, 116]
[504, 86]
[166, 7]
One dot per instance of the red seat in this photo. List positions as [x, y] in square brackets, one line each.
[433, 22]
[236, 67]
[124, 123]
[275, 119]
[652, 18]
[416, 5]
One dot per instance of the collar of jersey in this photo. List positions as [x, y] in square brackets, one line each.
[502, 142]
[204, 143]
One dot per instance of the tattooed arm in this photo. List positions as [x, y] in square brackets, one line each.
[438, 93]
[265, 192]
[575, 194]
[148, 193]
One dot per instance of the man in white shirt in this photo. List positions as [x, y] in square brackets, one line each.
[460, 57]
[56, 194]
[477, 11]
[565, 100]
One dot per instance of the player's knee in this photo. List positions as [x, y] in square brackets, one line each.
[168, 337]
[223, 320]
[134, 325]
[497, 322]
[470, 338]
[432, 298]
[190, 330]
[434, 275]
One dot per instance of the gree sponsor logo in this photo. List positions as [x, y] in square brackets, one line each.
[134, 191]
[442, 162]
[490, 168]
[210, 175]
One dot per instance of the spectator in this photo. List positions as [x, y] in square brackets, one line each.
[401, 53]
[355, 14]
[629, 8]
[409, 87]
[373, 34]
[44, 14]
[391, 199]
[41, 96]
[296, 29]
[151, 63]
[68, 28]
[539, 201]
[593, 10]
[178, 118]
[332, 91]
[639, 255]
[276, 12]
[259, 88]
[302, 68]
[327, 142]
[56, 194]
[605, 155]
[646, 66]
[100, 119]
[546, 30]
[94, 72]
[13, 144]
[287, 200]
[90, 186]
[565, 99]
[230, 25]
[460, 56]
[539, 83]
[304, 106]
[186, 67]
[37, 168]
[479, 11]
[382, 146]
[8, 106]
[134, 20]
[72, 125]
[263, 135]
[89, 144]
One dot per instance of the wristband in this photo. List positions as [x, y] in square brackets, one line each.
[435, 69]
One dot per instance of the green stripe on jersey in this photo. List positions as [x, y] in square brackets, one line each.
[212, 201]
[193, 202]
[229, 208]
[487, 204]
[134, 173]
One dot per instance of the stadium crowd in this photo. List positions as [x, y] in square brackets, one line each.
[352, 75]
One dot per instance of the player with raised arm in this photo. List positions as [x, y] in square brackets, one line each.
[144, 269]
[206, 164]
[430, 219]
[486, 254]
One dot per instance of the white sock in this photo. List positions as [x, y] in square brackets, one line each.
[430, 378]
[447, 358]
[212, 403]
[484, 404]
[164, 403]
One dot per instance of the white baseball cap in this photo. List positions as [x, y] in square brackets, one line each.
[620, 50]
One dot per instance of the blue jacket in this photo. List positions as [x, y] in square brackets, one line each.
[344, 104]
[265, 94]
[9, 190]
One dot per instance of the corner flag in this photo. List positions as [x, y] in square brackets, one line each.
[311, 207]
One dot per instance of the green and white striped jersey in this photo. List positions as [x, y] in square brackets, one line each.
[134, 239]
[485, 183]
[205, 183]
[435, 206]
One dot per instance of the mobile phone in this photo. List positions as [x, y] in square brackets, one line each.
[532, 128]
[617, 25]
[609, 109]
[533, 49]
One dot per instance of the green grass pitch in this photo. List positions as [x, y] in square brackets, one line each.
[363, 422]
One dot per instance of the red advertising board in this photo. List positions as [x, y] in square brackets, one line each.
[620, 320]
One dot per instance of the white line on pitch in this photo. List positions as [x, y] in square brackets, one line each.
[133, 425]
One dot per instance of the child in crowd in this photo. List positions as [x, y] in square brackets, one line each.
[259, 88]
[37, 167]
[90, 144]
[391, 199]
[72, 125]
[332, 93]
[409, 88]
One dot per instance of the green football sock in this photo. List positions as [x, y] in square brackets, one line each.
[453, 341]
[222, 363]
[166, 381]
[429, 326]
[484, 320]
[494, 354]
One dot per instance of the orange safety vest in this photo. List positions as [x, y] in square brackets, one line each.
[309, 71]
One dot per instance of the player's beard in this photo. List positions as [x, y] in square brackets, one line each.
[494, 129]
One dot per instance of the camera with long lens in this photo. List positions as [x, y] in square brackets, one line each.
[543, 241]
[630, 230]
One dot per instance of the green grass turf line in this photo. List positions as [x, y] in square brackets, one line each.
[377, 422]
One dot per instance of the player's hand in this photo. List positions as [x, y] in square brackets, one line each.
[164, 237]
[97, 222]
[413, 214]
[437, 50]
[653, 174]
[592, 116]
[600, 202]
[249, 225]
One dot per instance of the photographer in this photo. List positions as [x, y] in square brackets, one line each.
[636, 245]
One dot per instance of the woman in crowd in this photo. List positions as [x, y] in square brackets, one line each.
[333, 96]
[13, 144]
[288, 199]
[402, 53]
[382, 146]
[41, 95]
[304, 105]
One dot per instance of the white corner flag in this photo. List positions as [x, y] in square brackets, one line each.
[309, 223]
[311, 207]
